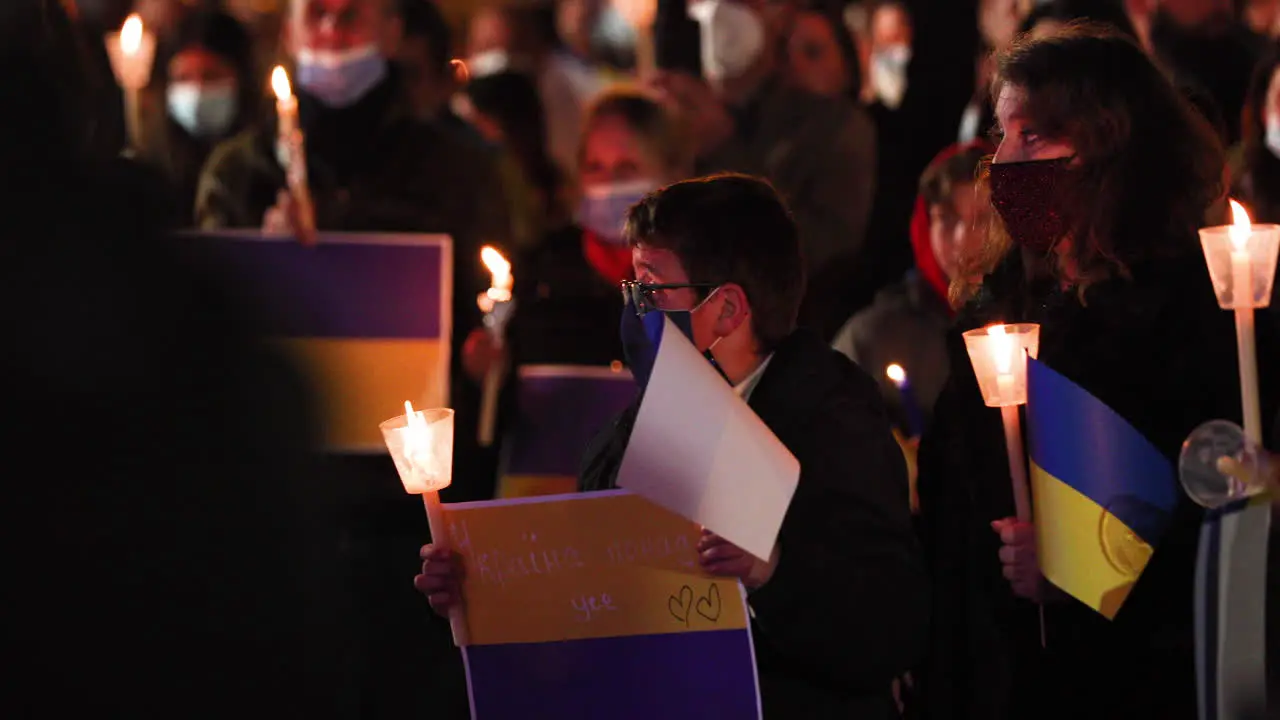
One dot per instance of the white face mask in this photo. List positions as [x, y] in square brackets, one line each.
[204, 111]
[732, 37]
[889, 74]
[1273, 135]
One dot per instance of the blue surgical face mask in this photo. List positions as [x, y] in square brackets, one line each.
[641, 335]
[204, 111]
[340, 78]
[603, 208]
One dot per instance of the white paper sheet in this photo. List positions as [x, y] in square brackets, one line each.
[697, 449]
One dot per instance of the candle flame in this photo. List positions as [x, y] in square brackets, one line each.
[1241, 226]
[1001, 348]
[500, 270]
[896, 374]
[493, 260]
[280, 84]
[131, 35]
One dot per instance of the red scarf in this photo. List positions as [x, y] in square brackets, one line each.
[611, 260]
[926, 262]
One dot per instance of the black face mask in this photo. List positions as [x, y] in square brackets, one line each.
[1028, 197]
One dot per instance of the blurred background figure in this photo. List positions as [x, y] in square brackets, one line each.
[425, 59]
[211, 90]
[507, 111]
[890, 52]
[525, 39]
[907, 324]
[820, 152]
[1207, 49]
[821, 57]
[567, 300]
[186, 552]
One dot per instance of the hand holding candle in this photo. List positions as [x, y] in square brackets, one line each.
[999, 355]
[132, 52]
[421, 444]
[289, 137]
[496, 303]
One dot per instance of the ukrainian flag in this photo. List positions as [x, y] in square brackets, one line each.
[1103, 493]
[366, 315]
[562, 409]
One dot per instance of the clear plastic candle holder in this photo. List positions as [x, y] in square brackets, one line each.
[422, 450]
[999, 356]
[1242, 263]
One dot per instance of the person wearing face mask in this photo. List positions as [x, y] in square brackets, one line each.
[210, 93]
[1100, 183]
[890, 53]
[567, 301]
[819, 151]
[838, 609]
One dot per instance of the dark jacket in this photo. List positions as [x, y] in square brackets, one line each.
[906, 325]
[1159, 352]
[845, 610]
[820, 153]
[566, 312]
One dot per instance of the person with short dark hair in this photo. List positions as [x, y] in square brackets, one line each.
[838, 609]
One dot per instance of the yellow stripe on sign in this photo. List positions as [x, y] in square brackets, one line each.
[1083, 549]
[363, 382]
[585, 566]
[521, 486]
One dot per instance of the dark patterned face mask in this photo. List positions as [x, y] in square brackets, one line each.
[1028, 196]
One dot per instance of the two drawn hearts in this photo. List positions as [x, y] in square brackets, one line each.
[682, 605]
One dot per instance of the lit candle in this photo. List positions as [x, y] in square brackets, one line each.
[1002, 354]
[496, 303]
[289, 137]
[422, 448]
[915, 417]
[1241, 258]
[1240, 232]
[132, 52]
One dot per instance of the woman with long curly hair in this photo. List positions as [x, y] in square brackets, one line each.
[1103, 175]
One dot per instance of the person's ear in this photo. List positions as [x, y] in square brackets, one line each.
[734, 309]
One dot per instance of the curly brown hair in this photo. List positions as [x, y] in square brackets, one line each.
[1147, 167]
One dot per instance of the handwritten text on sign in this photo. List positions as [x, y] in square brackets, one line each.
[584, 566]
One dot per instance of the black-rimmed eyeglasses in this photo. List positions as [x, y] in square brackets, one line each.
[642, 295]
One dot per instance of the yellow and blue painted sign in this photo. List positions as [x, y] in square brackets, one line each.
[1103, 493]
[561, 409]
[593, 605]
[367, 315]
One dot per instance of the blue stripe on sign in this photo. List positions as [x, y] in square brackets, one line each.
[559, 416]
[1076, 438]
[344, 290]
[693, 676]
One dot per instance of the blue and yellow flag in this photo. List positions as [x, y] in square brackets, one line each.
[562, 409]
[1103, 493]
[593, 606]
[366, 315]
